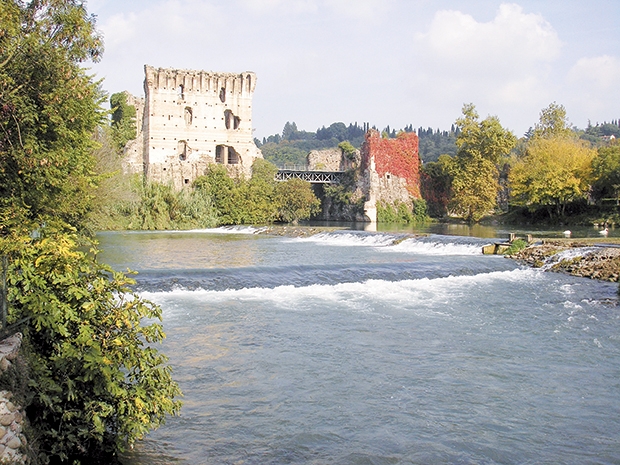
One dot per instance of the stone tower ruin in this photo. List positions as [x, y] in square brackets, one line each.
[194, 118]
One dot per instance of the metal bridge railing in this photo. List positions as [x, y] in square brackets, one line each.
[292, 167]
[315, 177]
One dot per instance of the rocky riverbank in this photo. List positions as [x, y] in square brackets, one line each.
[576, 258]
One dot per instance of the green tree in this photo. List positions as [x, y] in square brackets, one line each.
[486, 139]
[49, 108]
[284, 153]
[261, 190]
[347, 149]
[288, 130]
[296, 201]
[606, 172]
[474, 187]
[223, 192]
[123, 120]
[97, 383]
[553, 122]
[436, 185]
[554, 172]
[475, 176]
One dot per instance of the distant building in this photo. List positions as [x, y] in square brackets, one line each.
[189, 119]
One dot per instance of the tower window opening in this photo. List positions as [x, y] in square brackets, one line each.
[233, 156]
[182, 150]
[219, 154]
[231, 120]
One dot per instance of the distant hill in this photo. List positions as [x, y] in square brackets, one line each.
[293, 145]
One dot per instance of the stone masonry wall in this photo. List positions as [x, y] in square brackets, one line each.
[331, 160]
[12, 417]
[391, 170]
[194, 118]
[133, 153]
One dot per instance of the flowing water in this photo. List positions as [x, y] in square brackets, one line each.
[352, 347]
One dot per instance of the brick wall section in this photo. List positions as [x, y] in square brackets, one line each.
[397, 157]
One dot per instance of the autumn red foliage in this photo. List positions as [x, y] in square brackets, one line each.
[398, 157]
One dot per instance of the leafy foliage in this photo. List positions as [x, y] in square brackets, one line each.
[400, 212]
[436, 185]
[606, 172]
[553, 122]
[433, 144]
[516, 246]
[554, 172]
[160, 206]
[115, 190]
[123, 119]
[49, 108]
[486, 139]
[474, 187]
[97, 383]
[259, 200]
[296, 200]
[475, 176]
[348, 150]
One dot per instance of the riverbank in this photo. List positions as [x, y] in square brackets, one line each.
[584, 258]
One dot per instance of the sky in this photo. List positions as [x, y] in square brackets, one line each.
[385, 62]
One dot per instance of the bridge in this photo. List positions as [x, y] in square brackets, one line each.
[312, 176]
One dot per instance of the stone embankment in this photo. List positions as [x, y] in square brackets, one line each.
[12, 439]
[596, 262]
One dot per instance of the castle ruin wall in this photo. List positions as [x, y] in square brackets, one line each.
[192, 119]
[391, 170]
[133, 153]
[331, 160]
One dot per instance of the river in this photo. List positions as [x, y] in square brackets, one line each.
[351, 347]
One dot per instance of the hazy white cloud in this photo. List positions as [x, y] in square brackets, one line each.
[592, 84]
[499, 65]
[390, 62]
[512, 43]
[360, 9]
[165, 33]
[171, 20]
[600, 74]
[281, 7]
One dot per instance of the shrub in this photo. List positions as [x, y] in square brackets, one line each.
[97, 381]
[516, 246]
[400, 212]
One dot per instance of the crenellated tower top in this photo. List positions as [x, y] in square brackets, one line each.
[222, 84]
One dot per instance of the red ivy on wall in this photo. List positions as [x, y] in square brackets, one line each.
[399, 157]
